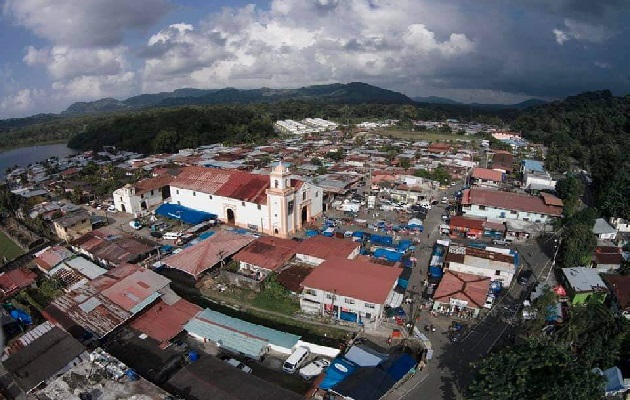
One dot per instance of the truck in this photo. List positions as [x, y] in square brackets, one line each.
[371, 202]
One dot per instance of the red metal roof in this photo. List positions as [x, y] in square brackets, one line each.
[551, 200]
[487, 174]
[202, 256]
[52, 256]
[361, 280]
[15, 280]
[459, 222]
[620, 287]
[135, 288]
[508, 201]
[234, 184]
[465, 287]
[268, 252]
[163, 322]
[324, 247]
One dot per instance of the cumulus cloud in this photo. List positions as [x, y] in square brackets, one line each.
[63, 62]
[91, 87]
[85, 23]
[19, 102]
[298, 42]
[581, 31]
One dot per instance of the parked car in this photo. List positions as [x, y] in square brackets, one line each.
[523, 277]
[489, 302]
[237, 364]
[444, 200]
[112, 209]
[502, 242]
[313, 369]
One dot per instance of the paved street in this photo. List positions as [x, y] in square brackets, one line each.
[450, 371]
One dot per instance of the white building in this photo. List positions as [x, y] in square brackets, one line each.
[276, 204]
[496, 205]
[352, 290]
[498, 265]
[145, 194]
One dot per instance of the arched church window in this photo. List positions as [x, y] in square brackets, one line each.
[275, 184]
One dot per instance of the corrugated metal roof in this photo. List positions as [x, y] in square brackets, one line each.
[202, 256]
[85, 267]
[236, 341]
[162, 321]
[273, 336]
[136, 289]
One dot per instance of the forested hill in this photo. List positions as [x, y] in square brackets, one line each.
[593, 128]
[338, 93]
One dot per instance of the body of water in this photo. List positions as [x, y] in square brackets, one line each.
[24, 156]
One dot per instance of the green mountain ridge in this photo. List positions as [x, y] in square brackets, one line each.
[338, 93]
[516, 106]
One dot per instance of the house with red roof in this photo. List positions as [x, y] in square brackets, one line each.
[352, 290]
[198, 258]
[502, 206]
[145, 194]
[461, 294]
[15, 280]
[275, 204]
[486, 178]
[264, 255]
[317, 249]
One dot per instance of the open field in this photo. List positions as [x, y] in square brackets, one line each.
[427, 136]
[8, 248]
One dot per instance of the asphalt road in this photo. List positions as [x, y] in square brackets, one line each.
[451, 370]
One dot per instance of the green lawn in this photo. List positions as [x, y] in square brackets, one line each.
[8, 248]
[426, 136]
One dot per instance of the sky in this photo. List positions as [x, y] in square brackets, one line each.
[56, 52]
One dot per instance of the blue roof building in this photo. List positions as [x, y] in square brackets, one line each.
[239, 336]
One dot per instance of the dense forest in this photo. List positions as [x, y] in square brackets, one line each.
[590, 130]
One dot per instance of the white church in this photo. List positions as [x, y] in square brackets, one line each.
[273, 204]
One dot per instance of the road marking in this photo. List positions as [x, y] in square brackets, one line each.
[414, 386]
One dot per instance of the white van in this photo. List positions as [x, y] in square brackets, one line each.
[171, 235]
[296, 359]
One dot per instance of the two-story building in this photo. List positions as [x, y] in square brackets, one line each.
[143, 195]
[73, 225]
[502, 206]
[350, 290]
[486, 178]
[277, 204]
[496, 264]
[535, 177]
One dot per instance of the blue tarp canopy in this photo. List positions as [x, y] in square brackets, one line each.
[400, 366]
[436, 271]
[338, 370]
[311, 233]
[378, 239]
[348, 316]
[206, 235]
[404, 245]
[187, 215]
[389, 255]
[364, 356]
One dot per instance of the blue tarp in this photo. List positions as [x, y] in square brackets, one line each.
[404, 245]
[378, 239]
[389, 255]
[348, 316]
[330, 232]
[401, 366]
[358, 234]
[406, 262]
[206, 235]
[338, 370]
[188, 215]
[436, 271]
[415, 228]
[311, 233]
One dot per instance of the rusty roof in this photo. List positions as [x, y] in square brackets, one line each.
[136, 288]
[115, 248]
[204, 255]
[87, 308]
[234, 184]
[620, 287]
[268, 252]
[466, 222]
[293, 276]
[51, 256]
[156, 183]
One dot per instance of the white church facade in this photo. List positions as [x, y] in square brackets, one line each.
[274, 204]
